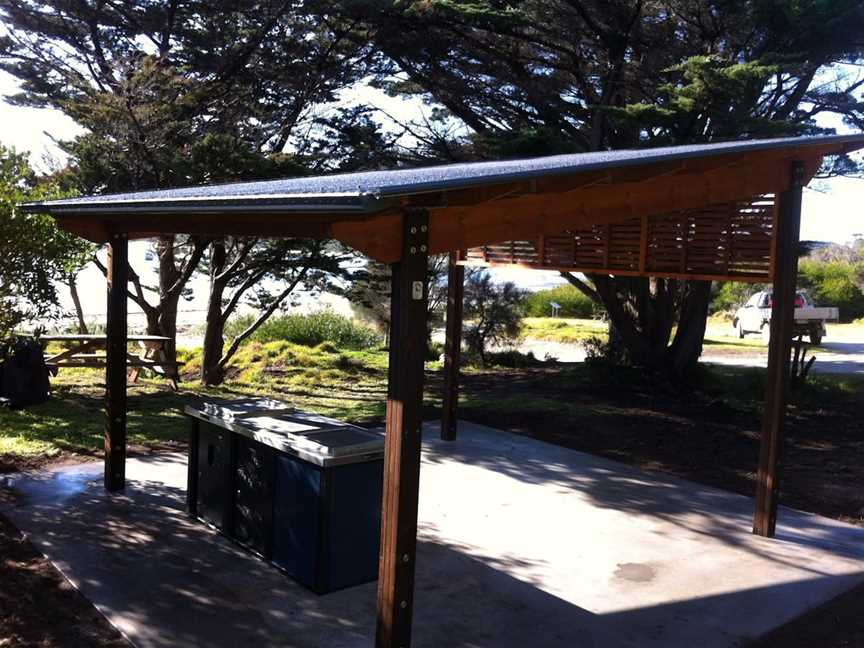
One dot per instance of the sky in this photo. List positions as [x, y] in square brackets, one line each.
[832, 209]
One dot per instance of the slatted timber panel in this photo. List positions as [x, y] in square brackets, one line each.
[729, 241]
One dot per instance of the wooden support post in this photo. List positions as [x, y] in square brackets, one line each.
[115, 371]
[452, 347]
[779, 350]
[403, 435]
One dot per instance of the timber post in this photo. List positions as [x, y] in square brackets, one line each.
[403, 434]
[452, 347]
[779, 350]
[115, 370]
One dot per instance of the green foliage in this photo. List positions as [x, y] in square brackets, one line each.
[603, 352]
[573, 303]
[512, 359]
[730, 295]
[833, 283]
[35, 252]
[708, 96]
[207, 92]
[309, 330]
[530, 142]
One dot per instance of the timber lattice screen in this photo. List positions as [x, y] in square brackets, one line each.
[729, 241]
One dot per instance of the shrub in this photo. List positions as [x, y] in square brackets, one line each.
[729, 296]
[599, 351]
[512, 359]
[833, 283]
[573, 303]
[496, 310]
[309, 330]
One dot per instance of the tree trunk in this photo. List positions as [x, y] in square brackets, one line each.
[643, 313]
[76, 300]
[212, 372]
[162, 318]
[683, 355]
[169, 301]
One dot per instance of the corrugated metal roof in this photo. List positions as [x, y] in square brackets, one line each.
[365, 191]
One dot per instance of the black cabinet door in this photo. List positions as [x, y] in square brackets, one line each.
[254, 478]
[214, 475]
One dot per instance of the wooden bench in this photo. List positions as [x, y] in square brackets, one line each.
[84, 351]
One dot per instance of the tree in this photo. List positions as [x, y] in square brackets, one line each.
[237, 268]
[72, 264]
[496, 311]
[529, 78]
[833, 283]
[36, 253]
[175, 93]
[729, 296]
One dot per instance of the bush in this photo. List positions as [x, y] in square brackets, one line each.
[573, 303]
[496, 311]
[512, 359]
[309, 330]
[729, 296]
[599, 351]
[832, 283]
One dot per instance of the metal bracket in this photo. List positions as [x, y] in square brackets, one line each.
[417, 290]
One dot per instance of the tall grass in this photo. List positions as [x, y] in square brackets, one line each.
[309, 330]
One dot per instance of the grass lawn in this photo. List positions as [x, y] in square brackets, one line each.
[349, 385]
[563, 330]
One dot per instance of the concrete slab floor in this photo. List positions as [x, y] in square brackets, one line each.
[522, 544]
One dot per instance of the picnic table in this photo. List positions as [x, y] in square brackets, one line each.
[89, 351]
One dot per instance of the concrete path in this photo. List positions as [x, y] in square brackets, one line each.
[522, 544]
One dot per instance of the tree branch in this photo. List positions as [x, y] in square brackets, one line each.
[235, 344]
[250, 281]
[582, 287]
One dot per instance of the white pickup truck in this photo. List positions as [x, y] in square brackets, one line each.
[755, 316]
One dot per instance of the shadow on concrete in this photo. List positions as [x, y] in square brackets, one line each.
[702, 510]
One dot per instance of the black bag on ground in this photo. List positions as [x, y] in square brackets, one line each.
[23, 374]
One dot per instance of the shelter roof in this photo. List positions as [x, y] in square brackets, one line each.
[361, 209]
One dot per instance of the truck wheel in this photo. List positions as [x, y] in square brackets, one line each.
[815, 337]
[740, 331]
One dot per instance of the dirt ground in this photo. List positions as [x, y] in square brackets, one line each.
[839, 624]
[39, 608]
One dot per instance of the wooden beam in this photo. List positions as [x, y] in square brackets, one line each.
[531, 216]
[779, 353]
[403, 434]
[452, 347]
[379, 237]
[115, 364]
